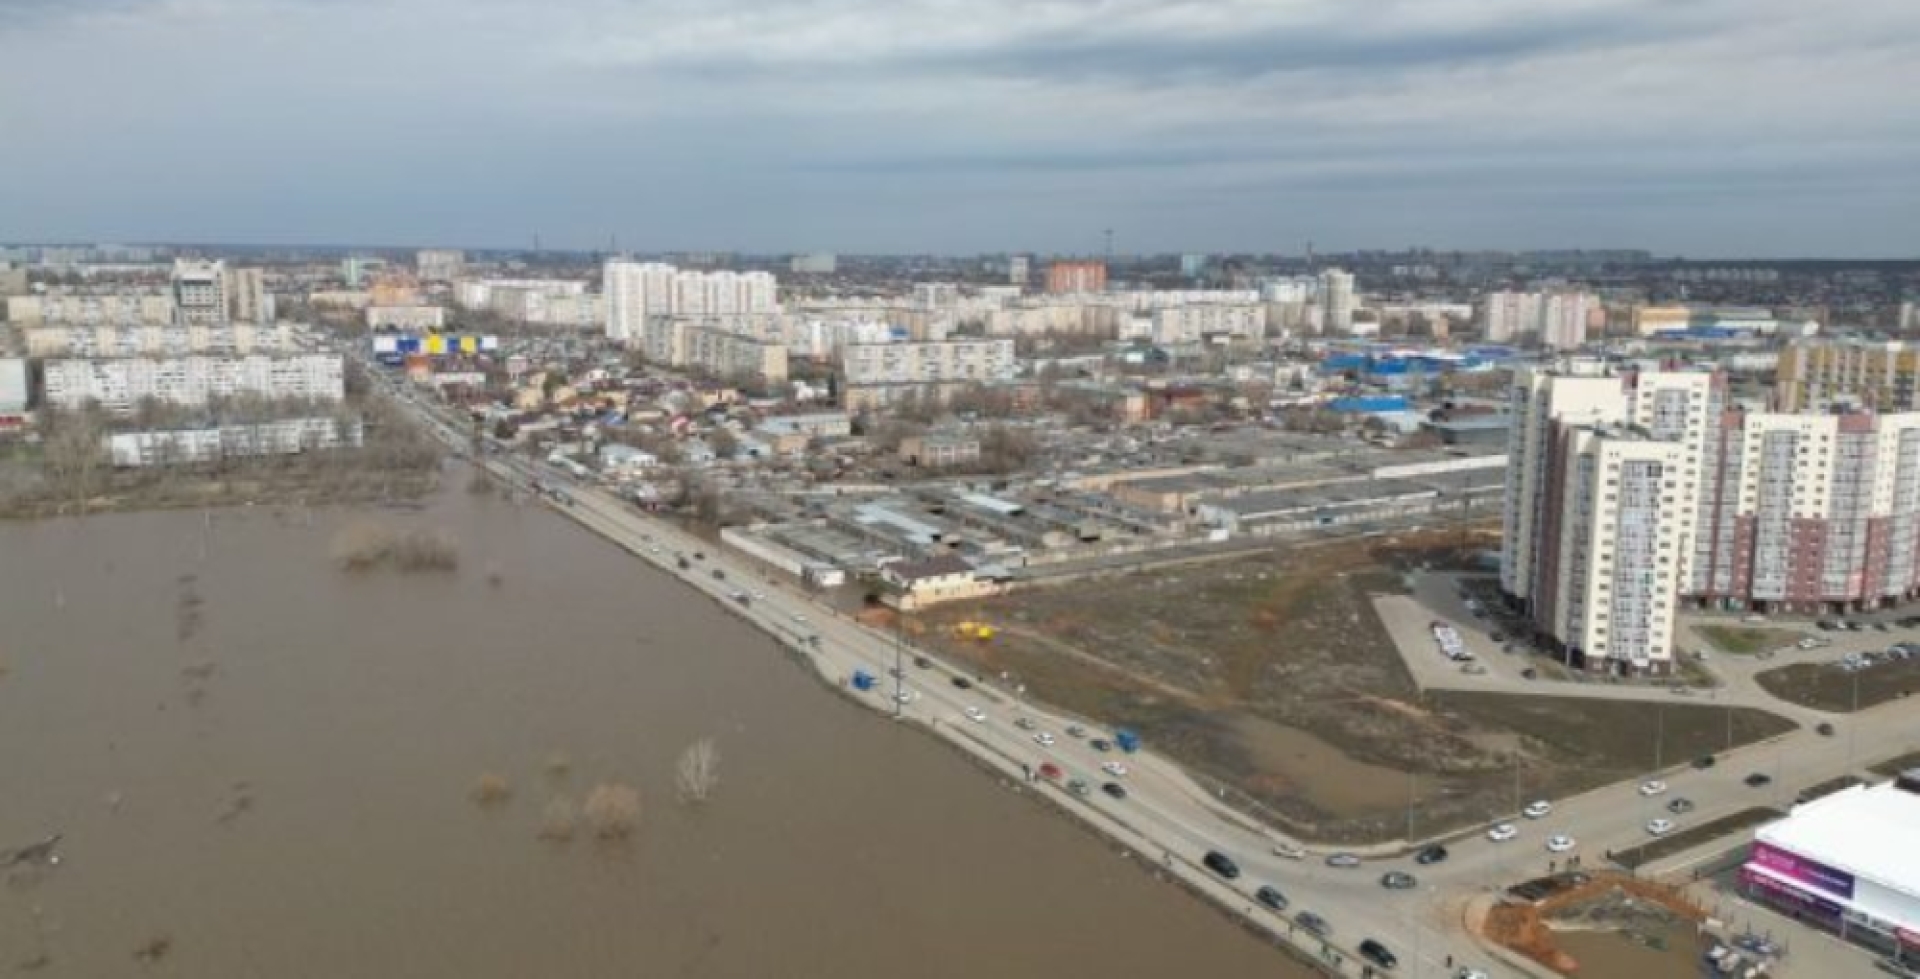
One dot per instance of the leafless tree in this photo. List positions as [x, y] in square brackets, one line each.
[613, 810]
[698, 772]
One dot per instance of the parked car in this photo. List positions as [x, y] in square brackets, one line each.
[1431, 855]
[1221, 864]
[1270, 896]
[1377, 953]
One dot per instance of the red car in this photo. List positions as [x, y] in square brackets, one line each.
[1050, 770]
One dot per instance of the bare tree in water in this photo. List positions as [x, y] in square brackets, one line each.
[698, 773]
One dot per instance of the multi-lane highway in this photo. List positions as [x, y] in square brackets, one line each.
[1164, 816]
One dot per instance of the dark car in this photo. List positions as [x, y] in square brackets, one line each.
[1704, 762]
[922, 662]
[719, 575]
[1221, 864]
[1313, 923]
[1826, 625]
[1100, 744]
[1824, 729]
[1431, 855]
[1114, 789]
[1398, 880]
[1378, 954]
[1530, 673]
[962, 682]
[1758, 779]
[1680, 806]
[1270, 896]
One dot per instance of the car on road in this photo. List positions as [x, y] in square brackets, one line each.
[1343, 860]
[907, 696]
[1652, 787]
[1398, 880]
[1680, 806]
[1704, 762]
[1529, 674]
[800, 618]
[1431, 855]
[1079, 787]
[1076, 731]
[1270, 896]
[1759, 779]
[1379, 954]
[1289, 851]
[1023, 723]
[1824, 729]
[1560, 843]
[962, 683]
[922, 662]
[1050, 770]
[1115, 769]
[1221, 864]
[1659, 827]
[1467, 972]
[1313, 923]
[1100, 744]
[1114, 789]
[1043, 739]
[1537, 810]
[1503, 832]
[976, 715]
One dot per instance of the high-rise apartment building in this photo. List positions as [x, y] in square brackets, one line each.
[200, 291]
[248, 300]
[1629, 494]
[1337, 301]
[637, 291]
[1559, 320]
[1018, 270]
[1075, 277]
[877, 374]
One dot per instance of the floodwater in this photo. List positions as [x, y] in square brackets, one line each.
[264, 766]
[1611, 953]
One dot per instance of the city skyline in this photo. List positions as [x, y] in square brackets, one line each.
[1706, 129]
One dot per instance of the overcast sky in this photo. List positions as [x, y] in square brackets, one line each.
[1701, 127]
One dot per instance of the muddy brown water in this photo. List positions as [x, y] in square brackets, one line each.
[262, 767]
[1610, 953]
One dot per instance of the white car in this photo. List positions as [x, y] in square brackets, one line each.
[1537, 810]
[1652, 787]
[1560, 843]
[1660, 827]
[1043, 739]
[1290, 851]
[907, 696]
[976, 715]
[1503, 832]
[1114, 769]
[797, 617]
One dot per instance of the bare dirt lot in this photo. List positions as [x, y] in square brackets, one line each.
[1272, 676]
[1825, 686]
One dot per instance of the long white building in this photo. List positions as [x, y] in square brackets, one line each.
[636, 291]
[120, 385]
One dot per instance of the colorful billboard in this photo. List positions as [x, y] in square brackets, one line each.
[389, 345]
[1790, 866]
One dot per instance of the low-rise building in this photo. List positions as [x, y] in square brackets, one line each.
[289, 436]
[930, 581]
[939, 451]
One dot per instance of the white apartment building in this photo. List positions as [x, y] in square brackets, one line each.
[636, 291]
[406, 317]
[479, 294]
[878, 374]
[1337, 301]
[120, 385]
[1601, 501]
[440, 264]
[110, 310]
[200, 291]
[153, 341]
[248, 300]
[1199, 322]
[287, 436]
[733, 347]
[1558, 319]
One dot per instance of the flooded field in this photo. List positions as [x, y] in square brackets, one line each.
[263, 765]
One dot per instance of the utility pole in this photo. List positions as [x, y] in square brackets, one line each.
[899, 674]
[1660, 738]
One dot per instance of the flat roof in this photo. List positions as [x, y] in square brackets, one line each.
[1869, 831]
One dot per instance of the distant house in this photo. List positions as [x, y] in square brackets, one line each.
[930, 581]
[617, 458]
